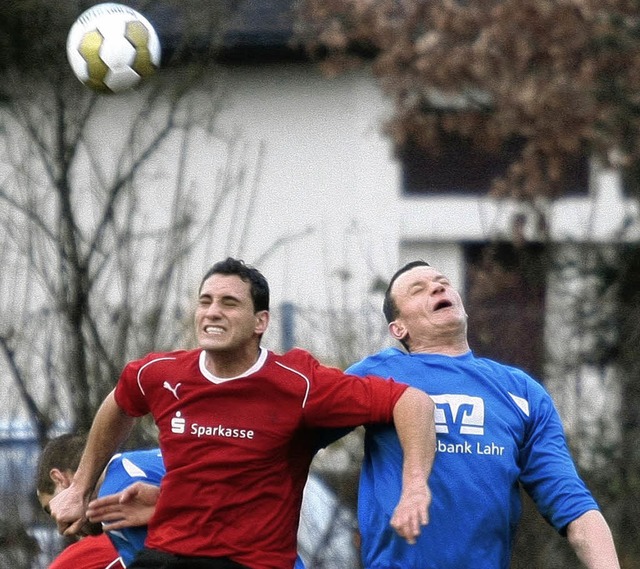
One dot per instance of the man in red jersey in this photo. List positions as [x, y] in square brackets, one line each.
[236, 429]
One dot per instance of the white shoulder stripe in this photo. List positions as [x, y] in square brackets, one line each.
[306, 379]
[520, 402]
[132, 469]
[148, 364]
[115, 563]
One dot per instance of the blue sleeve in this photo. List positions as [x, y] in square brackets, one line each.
[122, 471]
[136, 466]
[548, 472]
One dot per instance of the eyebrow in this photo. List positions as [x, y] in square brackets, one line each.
[422, 280]
[229, 296]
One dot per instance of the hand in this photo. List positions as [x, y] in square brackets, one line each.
[412, 512]
[134, 506]
[68, 511]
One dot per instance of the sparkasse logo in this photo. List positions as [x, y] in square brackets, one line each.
[179, 426]
[220, 431]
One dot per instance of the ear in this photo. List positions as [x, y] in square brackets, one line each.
[262, 321]
[60, 479]
[397, 330]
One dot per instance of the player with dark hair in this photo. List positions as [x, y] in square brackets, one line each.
[497, 429]
[58, 463]
[236, 425]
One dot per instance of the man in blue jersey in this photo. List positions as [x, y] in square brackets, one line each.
[59, 461]
[124, 472]
[497, 429]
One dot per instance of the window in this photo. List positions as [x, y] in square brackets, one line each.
[460, 167]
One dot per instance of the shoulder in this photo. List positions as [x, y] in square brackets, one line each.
[128, 467]
[527, 392]
[148, 458]
[377, 363]
[503, 370]
[153, 359]
[167, 356]
[296, 358]
[175, 355]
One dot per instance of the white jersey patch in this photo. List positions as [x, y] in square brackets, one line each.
[520, 402]
[133, 470]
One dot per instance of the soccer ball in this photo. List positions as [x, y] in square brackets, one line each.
[112, 47]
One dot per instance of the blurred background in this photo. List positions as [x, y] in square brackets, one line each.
[326, 142]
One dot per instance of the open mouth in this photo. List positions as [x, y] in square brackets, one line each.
[441, 304]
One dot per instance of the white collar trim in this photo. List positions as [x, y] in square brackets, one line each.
[215, 379]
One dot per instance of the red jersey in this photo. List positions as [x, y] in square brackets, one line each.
[91, 552]
[237, 451]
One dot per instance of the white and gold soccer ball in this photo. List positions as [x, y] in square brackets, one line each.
[112, 47]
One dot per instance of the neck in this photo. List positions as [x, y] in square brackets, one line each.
[447, 346]
[231, 364]
[443, 350]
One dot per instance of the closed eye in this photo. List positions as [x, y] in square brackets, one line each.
[415, 289]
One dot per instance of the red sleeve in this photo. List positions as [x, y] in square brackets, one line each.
[340, 400]
[92, 552]
[128, 394]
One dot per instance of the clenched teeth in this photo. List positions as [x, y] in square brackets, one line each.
[213, 329]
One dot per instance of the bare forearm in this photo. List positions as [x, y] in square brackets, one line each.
[417, 437]
[110, 428]
[591, 539]
[414, 422]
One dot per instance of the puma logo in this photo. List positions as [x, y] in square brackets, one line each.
[173, 390]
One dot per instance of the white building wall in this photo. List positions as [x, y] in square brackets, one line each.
[328, 190]
[327, 169]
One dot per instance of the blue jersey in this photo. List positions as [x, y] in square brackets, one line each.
[122, 471]
[496, 428]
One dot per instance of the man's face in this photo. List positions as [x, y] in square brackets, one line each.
[44, 500]
[428, 306]
[225, 319]
[61, 480]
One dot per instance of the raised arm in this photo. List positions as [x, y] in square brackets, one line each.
[591, 539]
[413, 416]
[110, 428]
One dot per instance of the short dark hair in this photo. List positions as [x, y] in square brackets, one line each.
[389, 308]
[257, 281]
[64, 453]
